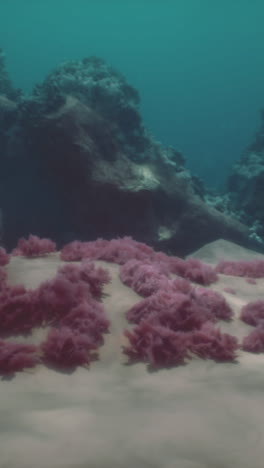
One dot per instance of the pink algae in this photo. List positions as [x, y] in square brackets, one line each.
[121, 250]
[253, 313]
[68, 303]
[34, 246]
[16, 357]
[250, 269]
[254, 341]
[64, 348]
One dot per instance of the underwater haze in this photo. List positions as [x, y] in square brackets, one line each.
[197, 64]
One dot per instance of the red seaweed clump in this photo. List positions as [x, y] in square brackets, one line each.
[116, 250]
[177, 311]
[68, 303]
[160, 346]
[173, 322]
[17, 313]
[66, 349]
[198, 272]
[89, 318]
[126, 249]
[176, 321]
[55, 298]
[156, 345]
[87, 272]
[16, 357]
[34, 247]
[210, 343]
[253, 313]
[78, 250]
[250, 269]
[144, 278]
[254, 341]
[214, 302]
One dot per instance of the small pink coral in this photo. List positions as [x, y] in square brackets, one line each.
[34, 247]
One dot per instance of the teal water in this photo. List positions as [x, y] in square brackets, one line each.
[198, 64]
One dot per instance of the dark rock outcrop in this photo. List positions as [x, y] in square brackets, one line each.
[79, 163]
[246, 187]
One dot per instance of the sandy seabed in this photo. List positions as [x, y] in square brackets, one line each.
[201, 415]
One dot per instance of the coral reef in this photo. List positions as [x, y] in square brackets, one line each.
[245, 185]
[68, 304]
[82, 165]
[175, 320]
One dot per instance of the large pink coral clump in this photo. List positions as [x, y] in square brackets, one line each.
[177, 311]
[177, 320]
[174, 321]
[69, 304]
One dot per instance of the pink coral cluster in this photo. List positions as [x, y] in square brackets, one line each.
[173, 310]
[34, 247]
[16, 357]
[69, 304]
[122, 250]
[250, 269]
[253, 314]
[15, 317]
[175, 320]
[116, 250]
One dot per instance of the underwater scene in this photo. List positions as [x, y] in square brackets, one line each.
[131, 234]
